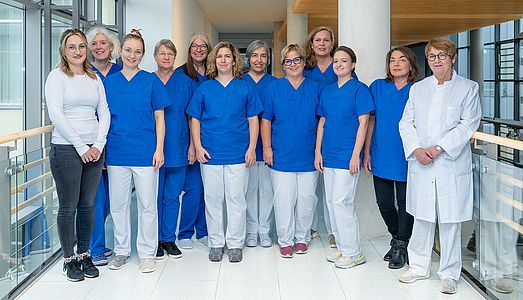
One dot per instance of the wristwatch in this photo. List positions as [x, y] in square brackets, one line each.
[438, 148]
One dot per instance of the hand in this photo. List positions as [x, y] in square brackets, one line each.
[354, 165]
[268, 156]
[423, 156]
[318, 162]
[433, 152]
[367, 164]
[158, 159]
[96, 153]
[202, 155]
[250, 157]
[191, 154]
[87, 156]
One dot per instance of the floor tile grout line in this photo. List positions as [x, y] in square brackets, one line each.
[218, 280]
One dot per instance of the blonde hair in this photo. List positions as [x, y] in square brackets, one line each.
[111, 39]
[237, 68]
[310, 57]
[289, 48]
[64, 64]
[135, 35]
[443, 45]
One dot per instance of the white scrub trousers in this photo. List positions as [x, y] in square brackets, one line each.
[259, 199]
[225, 183]
[294, 205]
[340, 190]
[420, 249]
[145, 181]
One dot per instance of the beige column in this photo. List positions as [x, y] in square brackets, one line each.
[297, 25]
[278, 44]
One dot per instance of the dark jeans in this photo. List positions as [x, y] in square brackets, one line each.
[399, 222]
[76, 185]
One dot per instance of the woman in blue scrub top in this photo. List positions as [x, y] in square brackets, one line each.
[193, 205]
[103, 47]
[224, 129]
[135, 142]
[259, 191]
[344, 112]
[384, 155]
[177, 156]
[288, 130]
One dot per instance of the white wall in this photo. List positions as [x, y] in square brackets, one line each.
[187, 19]
[154, 17]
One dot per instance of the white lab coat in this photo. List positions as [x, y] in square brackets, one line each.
[446, 115]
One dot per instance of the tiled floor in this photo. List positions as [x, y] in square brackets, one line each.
[261, 275]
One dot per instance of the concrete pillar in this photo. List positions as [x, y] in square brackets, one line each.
[476, 58]
[297, 25]
[278, 44]
[365, 27]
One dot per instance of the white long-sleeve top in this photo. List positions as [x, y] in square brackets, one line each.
[78, 110]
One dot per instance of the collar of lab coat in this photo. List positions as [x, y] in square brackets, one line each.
[446, 83]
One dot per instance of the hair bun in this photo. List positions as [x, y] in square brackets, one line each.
[136, 31]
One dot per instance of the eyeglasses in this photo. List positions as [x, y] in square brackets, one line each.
[289, 61]
[196, 47]
[166, 54]
[442, 56]
[129, 51]
[73, 48]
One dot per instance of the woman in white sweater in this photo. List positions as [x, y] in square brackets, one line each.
[76, 104]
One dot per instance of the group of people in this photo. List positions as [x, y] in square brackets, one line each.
[239, 146]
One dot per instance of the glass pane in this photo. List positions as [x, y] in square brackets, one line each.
[521, 58]
[506, 31]
[488, 99]
[12, 69]
[506, 63]
[59, 25]
[463, 39]
[506, 97]
[109, 12]
[521, 105]
[463, 62]
[62, 2]
[488, 34]
[489, 62]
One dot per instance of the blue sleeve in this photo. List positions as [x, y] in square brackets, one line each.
[320, 110]
[196, 105]
[268, 104]
[159, 97]
[364, 103]
[254, 106]
[374, 93]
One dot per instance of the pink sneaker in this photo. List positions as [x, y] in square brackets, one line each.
[286, 252]
[301, 248]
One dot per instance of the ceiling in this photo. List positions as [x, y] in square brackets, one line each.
[411, 21]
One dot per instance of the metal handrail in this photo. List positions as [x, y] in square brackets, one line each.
[25, 134]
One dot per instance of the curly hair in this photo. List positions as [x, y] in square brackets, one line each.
[111, 39]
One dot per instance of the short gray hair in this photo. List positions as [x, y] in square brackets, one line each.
[111, 38]
[254, 46]
[167, 43]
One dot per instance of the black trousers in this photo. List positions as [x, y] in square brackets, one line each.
[76, 186]
[399, 222]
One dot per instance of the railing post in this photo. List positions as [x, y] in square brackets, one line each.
[5, 211]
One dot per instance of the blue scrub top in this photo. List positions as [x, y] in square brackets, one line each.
[292, 113]
[180, 89]
[260, 88]
[388, 158]
[326, 78]
[114, 69]
[223, 112]
[131, 140]
[201, 78]
[341, 107]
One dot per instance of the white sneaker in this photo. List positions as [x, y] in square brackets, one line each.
[333, 256]
[147, 265]
[346, 262]
[204, 240]
[185, 244]
[265, 240]
[251, 240]
[448, 286]
[409, 277]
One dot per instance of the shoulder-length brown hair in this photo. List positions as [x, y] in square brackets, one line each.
[310, 57]
[64, 64]
[237, 68]
[413, 61]
[188, 67]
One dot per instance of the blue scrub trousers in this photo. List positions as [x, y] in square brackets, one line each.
[170, 186]
[193, 205]
[101, 211]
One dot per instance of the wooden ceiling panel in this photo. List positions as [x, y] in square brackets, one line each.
[415, 21]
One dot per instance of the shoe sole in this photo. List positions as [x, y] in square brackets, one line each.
[449, 292]
[101, 264]
[186, 248]
[159, 257]
[286, 255]
[215, 260]
[251, 245]
[351, 266]
[330, 260]
[396, 267]
[302, 252]
[175, 256]
[89, 276]
[72, 279]
[266, 245]
[414, 280]
[332, 245]
[112, 267]
[107, 254]
[148, 270]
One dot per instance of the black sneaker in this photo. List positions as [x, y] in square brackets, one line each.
[159, 252]
[90, 271]
[73, 271]
[171, 249]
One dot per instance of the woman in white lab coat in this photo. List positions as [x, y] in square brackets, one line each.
[440, 117]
